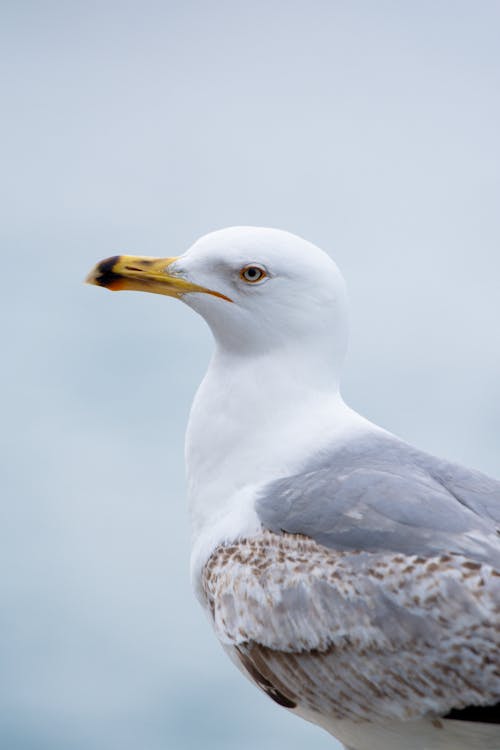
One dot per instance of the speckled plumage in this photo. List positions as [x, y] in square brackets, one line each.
[356, 635]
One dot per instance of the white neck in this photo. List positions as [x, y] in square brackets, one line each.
[253, 420]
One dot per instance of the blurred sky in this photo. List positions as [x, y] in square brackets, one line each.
[372, 129]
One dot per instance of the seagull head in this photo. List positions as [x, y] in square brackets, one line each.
[260, 290]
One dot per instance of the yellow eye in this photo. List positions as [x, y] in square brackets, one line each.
[252, 274]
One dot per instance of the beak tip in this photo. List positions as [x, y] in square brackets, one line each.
[104, 275]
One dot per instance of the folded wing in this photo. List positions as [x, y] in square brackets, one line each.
[373, 591]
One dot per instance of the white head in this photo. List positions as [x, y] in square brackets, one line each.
[285, 292]
[260, 290]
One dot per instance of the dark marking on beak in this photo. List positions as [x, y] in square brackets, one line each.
[105, 276]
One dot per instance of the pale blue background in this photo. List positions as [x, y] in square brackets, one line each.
[372, 129]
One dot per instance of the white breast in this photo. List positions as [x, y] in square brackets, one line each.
[249, 425]
[441, 734]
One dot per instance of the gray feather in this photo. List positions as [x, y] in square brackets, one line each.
[378, 493]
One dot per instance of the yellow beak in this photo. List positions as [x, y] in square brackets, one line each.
[143, 274]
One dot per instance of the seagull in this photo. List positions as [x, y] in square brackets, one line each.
[352, 577]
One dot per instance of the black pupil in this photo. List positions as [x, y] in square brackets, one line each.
[252, 272]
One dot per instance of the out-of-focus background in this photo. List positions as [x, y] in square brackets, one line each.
[372, 129]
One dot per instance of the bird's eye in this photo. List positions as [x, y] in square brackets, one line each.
[252, 274]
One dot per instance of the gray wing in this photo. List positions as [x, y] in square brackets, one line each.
[378, 493]
[382, 601]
